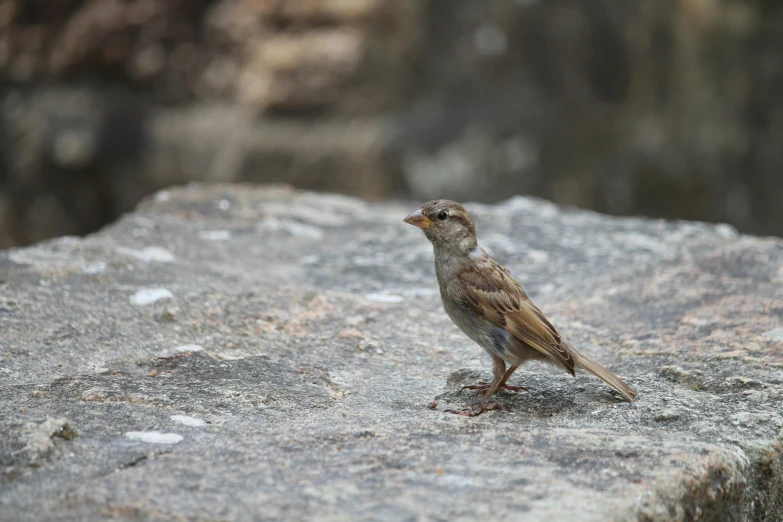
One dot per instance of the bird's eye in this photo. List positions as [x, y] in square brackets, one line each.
[442, 215]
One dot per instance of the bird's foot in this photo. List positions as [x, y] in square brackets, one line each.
[484, 386]
[477, 409]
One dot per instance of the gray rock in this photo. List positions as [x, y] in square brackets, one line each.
[31, 444]
[320, 363]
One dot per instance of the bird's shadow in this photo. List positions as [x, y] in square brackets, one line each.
[548, 394]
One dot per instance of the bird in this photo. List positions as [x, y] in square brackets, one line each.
[485, 301]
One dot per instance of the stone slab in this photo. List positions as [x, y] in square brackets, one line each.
[231, 352]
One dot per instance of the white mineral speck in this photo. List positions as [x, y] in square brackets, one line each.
[158, 254]
[776, 334]
[189, 348]
[147, 296]
[310, 260]
[154, 437]
[273, 224]
[94, 268]
[538, 256]
[215, 235]
[188, 421]
[384, 298]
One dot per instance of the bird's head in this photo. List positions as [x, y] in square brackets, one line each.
[446, 224]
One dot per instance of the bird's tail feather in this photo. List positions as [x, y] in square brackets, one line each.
[581, 361]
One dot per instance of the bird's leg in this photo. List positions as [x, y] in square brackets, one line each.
[482, 386]
[506, 377]
[499, 371]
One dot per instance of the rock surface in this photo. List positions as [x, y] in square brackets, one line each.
[289, 358]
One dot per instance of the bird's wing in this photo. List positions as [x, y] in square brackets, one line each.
[491, 292]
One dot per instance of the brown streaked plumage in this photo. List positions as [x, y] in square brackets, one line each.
[490, 307]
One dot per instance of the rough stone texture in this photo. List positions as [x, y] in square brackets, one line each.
[306, 333]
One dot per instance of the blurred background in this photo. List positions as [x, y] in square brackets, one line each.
[665, 108]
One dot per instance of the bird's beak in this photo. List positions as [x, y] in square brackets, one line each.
[418, 219]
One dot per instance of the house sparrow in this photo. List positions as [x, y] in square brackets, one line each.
[490, 307]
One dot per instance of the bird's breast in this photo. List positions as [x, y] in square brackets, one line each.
[477, 328]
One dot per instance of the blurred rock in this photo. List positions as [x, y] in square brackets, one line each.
[664, 108]
[659, 108]
[292, 55]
